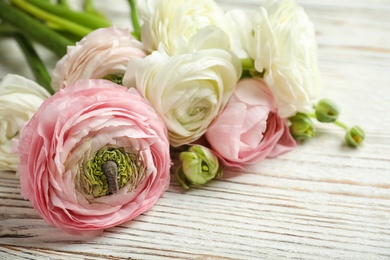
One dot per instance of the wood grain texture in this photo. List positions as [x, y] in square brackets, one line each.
[321, 201]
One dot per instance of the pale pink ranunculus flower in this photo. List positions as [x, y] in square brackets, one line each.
[63, 147]
[249, 128]
[102, 53]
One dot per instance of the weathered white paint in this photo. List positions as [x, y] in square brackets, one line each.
[321, 201]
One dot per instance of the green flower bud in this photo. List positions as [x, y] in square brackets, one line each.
[199, 166]
[355, 136]
[327, 111]
[301, 127]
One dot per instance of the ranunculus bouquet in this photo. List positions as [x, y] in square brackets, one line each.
[94, 140]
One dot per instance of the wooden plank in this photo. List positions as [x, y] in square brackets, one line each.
[322, 201]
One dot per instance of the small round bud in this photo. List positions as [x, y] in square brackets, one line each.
[199, 166]
[327, 111]
[354, 136]
[301, 127]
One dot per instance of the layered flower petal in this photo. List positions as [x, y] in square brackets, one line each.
[282, 42]
[104, 53]
[249, 129]
[63, 148]
[188, 91]
[173, 23]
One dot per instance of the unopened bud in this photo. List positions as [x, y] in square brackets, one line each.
[199, 166]
[327, 111]
[354, 136]
[301, 127]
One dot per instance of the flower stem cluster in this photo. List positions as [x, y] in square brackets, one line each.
[37, 66]
[325, 111]
[53, 25]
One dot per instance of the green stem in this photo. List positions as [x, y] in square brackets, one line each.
[247, 64]
[88, 20]
[312, 115]
[338, 123]
[68, 25]
[68, 35]
[134, 19]
[248, 69]
[37, 67]
[33, 29]
[62, 3]
[90, 9]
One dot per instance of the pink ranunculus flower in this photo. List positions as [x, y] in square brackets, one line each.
[103, 53]
[93, 156]
[249, 128]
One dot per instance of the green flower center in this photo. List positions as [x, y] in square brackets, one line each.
[115, 78]
[111, 169]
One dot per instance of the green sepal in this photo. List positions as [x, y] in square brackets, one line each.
[181, 178]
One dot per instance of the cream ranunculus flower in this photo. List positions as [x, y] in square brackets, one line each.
[174, 23]
[282, 42]
[188, 91]
[19, 100]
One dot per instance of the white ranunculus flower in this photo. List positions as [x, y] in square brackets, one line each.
[188, 91]
[282, 42]
[19, 100]
[174, 23]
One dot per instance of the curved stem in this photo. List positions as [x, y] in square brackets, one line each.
[342, 125]
[91, 10]
[86, 19]
[338, 123]
[63, 3]
[34, 29]
[37, 67]
[70, 26]
[134, 19]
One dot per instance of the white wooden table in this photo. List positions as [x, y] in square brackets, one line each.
[321, 201]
